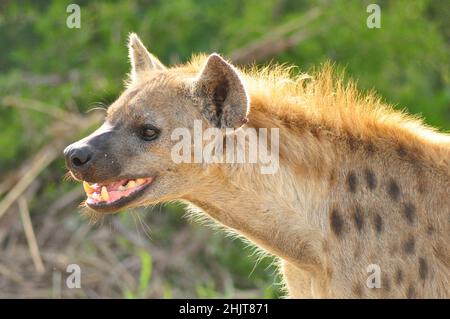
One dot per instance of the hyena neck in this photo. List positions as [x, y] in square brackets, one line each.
[262, 215]
[281, 212]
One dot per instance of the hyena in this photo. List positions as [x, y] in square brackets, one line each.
[359, 184]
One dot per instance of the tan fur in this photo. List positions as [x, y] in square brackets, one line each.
[359, 183]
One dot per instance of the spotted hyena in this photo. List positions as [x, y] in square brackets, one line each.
[358, 183]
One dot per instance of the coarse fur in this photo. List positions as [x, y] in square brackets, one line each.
[358, 184]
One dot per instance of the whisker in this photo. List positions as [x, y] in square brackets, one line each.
[96, 108]
[258, 261]
[135, 224]
[145, 227]
[67, 177]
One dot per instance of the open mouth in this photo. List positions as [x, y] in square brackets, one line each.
[112, 196]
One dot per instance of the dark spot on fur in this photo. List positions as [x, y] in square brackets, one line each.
[401, 151]
[329, 272]
[399, 276]
[315, 131]
[430, 230]
[325, 246]
[423, 268]
[409, 246]
[337, 223]
[378, 223]
[386, 283]
[333, 177]
[370, 149]
[357, 251]
[393, 190]
[371, 179]
[352, 144]
[422, 186]
[421, 182]
[352, 181]
[357, 290]
[358, 218]
[393, 249]
[411, 292]
[409, 211]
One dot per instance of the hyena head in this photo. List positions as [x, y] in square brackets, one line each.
[127, 162]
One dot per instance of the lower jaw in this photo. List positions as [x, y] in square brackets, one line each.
[123, 202]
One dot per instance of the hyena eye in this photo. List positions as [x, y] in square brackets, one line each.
[149, 132]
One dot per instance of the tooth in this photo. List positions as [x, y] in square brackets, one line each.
[87, 188]
[105, 194]
[131, 184]
[96, 196]
[140, 181]
[122, 188]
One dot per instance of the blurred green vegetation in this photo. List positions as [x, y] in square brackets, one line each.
[406, 61]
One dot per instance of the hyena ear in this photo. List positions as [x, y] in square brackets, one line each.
[223, 97]
[141, 60]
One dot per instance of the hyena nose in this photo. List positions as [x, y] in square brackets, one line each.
[77, 157]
